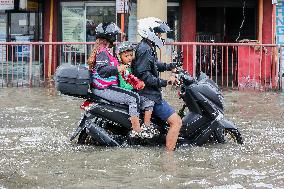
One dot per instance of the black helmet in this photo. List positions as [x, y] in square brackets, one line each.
[108, 31]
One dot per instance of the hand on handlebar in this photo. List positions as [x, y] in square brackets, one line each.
[173, 80]
[174, 70]
[179, 64]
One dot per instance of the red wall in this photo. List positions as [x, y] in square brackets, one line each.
[267, 22]
[260, 60]
[267, 39]
[188, 30]
[249, 60]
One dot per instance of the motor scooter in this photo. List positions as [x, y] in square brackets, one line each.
[106, 123]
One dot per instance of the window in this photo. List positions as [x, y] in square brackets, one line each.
[173, 21]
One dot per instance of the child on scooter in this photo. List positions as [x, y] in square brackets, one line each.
[128, 81]
[104, 68]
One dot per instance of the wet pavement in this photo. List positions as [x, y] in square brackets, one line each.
[35, 151]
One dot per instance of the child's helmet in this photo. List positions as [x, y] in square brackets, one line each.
[148, 27]
[124, 46]
[108, 31]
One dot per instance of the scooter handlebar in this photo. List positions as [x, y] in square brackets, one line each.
[184, 77]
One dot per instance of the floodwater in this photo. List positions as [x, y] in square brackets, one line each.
[35, 151]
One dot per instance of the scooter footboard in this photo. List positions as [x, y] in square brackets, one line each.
[193, 123]
[100, 135]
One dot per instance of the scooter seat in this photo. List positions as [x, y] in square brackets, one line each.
[98, 99]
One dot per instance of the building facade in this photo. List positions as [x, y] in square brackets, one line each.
[191, 20]
[223, 21]
[21, 20]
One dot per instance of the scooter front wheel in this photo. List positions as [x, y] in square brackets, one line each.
[234, 135]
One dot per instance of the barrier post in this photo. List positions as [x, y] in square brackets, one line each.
[31, 66]
[194, 61]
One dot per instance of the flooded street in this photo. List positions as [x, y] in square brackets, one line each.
[35, 152]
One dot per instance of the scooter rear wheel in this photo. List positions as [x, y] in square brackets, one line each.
[84, 138]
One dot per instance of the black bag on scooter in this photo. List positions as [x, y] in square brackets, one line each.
[72, 80]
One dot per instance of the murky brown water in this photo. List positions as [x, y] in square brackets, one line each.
[35, 151]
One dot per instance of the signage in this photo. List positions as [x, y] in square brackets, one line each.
[23, 50]
[280, 29]
[73, 27]
[3, 37]
[276, 1]
[6, 4]
[3, 25]
[122, 6]
[30, 5]
[2, 49]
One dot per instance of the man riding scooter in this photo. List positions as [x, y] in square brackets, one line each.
[147, 68]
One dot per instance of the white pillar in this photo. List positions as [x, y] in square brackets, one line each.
[152, 8]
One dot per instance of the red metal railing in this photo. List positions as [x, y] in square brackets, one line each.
[234, 65]
[230, 65]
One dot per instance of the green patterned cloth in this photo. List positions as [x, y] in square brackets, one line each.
[122, 83]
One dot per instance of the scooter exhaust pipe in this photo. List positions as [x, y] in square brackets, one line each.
[100, 135]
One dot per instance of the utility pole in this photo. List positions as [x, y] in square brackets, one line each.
[50, 40]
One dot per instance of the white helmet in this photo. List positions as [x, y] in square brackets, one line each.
[148, 27]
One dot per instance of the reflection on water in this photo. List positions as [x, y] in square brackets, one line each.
[35, 151]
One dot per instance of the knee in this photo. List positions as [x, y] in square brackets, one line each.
[178, 122]
[175, 120]
[132, 101]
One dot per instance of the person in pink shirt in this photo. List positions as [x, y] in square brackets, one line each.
[105, 69]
